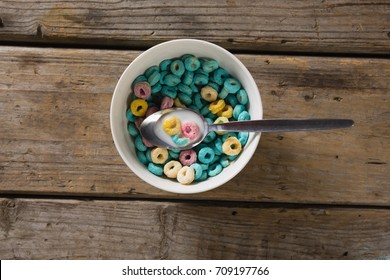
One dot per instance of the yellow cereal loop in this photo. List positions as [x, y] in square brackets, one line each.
[226, 112]
[138, 107]
[221, 120]
[159, 155]
[171, 168]
[209, 94]
[231, 146]
[217, 106]
[186, 175]
[178, 103]
[172, 125]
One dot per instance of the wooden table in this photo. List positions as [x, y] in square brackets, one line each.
[66, 194]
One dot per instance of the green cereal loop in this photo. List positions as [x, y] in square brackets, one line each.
[223, 93]
[191, 63]
[184, 89]
[154, 78]
[237, 110]
[142, 158]
[132, 129]
[210, 66]
[213, 85]
[243, 137]
[215, 169]
[156, 88]
[139, 145]
[187, 78]
[150, 70]
[129, 115]
[200, 79]
[232, 100]
[177, 67]
[185, 99]
[242, 96]
[220, 75]
[244, 116]
[173, 154]
[162, 76]
[224, 161]
[164, 65]
[206, 155]
[155, 169]
[140, 78]
[171, 80]
[231, 85]
[199, 101]
[210, 137]
[198, 170]
[169, 91]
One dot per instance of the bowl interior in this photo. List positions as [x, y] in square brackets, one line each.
[154, 56]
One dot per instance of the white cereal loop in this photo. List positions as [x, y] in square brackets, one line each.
[159, 155]
[186, 175]
[231, 146]
[171, 168]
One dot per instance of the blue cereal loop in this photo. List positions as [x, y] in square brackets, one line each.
[177, 68]
[155, 89]
[215, 169]
[243, 137]
[210, 66]
[218, 144]
[185, 56]
[198, 101]
[162, 76]
[237, 110]
[140, 78]
[204, 166]
[194, 108]
[139, 145]
[185, 99]
[203, 177]
[192, 63]
[210, 137]
[224, 161]
[184, 89]
[198, 170]
[132, 129]
[227, 135]
[242, 96]
[180, 141]
[194, 87]
[216, 159]
[231, 100]
[174, 153]
[213, 85]
[148, 154]
[129, 115]
[169, 91]
[205, 110]
[231, 158]
[164, 65]
[155, 169]
[223, 93]
[206, 155]
[154, 78]
[200, 79]
[187, 78]
[171, 80]
[244, 116]
[231, 85]
[150, 70]
[220, 75]
[142, 158]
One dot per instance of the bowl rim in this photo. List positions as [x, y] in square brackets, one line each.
[159, 182]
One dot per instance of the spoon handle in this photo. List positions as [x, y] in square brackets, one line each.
[281, 125]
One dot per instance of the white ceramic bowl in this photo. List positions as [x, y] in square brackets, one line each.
[154, 56]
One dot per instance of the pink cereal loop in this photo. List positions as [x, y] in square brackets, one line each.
[166, 103]
[190, 130]
[147, 143]
[151, 110]
[138, 122]
[188, 157]
[142, 90]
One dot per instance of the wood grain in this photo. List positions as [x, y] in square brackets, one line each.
[283, 25]
[72, 229]
[55, 136]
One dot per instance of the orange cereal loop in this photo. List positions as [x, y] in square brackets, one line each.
[172, 126]
[231, 146]
[226, 112]
[139, 107]
[216, 106]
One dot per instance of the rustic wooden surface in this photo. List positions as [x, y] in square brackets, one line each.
[281, 25]
[66, 194]
[72, 229]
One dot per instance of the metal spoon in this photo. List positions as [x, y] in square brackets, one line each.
[152, 127]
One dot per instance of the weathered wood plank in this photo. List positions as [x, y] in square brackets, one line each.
[55, 136]
[71, 229]
[283, 25]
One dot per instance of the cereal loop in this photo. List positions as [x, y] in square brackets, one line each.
[171, 168]
[209, 94]
[138, 107]
[190, 130]
[159, 155]
[221, 120]
[186, 175]
[172, 125]
[217, 106]
[188, 157]
[226, 112]
[231, 146]
[166, 103]
[142, 90]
